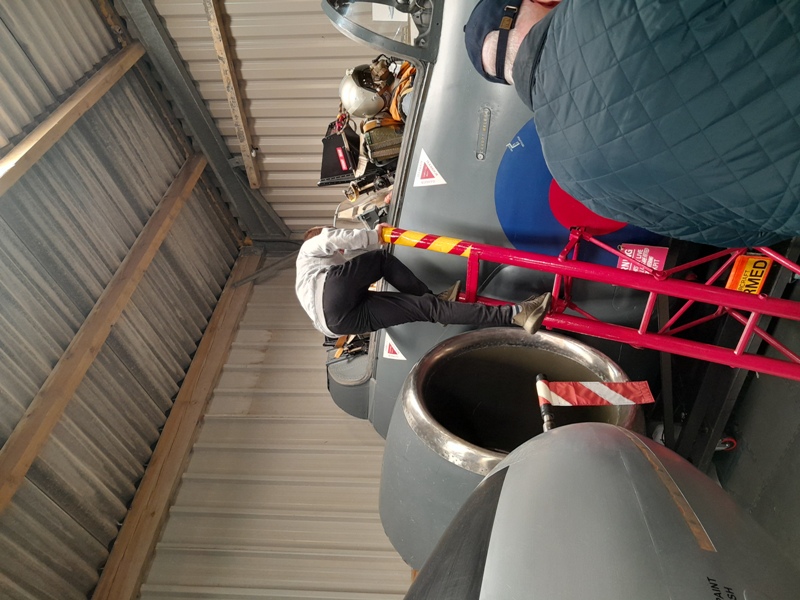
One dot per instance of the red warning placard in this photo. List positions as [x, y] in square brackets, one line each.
[427, 173]
[390, 349]
[640, 258]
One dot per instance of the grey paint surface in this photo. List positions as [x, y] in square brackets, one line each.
[584, 512]
[465, 405]
[446, 128]
[763, 473]
[420, 492]
[348, 384]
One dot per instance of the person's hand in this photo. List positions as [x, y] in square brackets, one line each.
[379, 228]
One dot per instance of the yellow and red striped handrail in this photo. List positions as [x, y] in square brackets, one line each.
[425, 241]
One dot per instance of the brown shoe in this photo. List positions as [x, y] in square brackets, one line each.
[451, 293]
[533, 311]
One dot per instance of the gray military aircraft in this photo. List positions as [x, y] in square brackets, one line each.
[471, 167]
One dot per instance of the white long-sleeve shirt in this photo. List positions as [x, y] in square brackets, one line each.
[317, 256]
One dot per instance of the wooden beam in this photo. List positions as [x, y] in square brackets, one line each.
[109, 14]
[44, 412]
[25, 154]
[215, 14]
[123, 573]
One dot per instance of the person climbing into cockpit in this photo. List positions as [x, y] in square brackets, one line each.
[335, 268]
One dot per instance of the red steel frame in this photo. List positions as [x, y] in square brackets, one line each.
[743, 307]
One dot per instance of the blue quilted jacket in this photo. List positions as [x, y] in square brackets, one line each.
[680, 116]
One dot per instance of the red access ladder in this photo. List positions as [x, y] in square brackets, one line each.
[745, 308]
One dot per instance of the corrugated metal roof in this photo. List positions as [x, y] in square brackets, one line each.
[62, 45]
[65, 227]
[43, 53]
[30, 96]
[280, 498]
[290, 61]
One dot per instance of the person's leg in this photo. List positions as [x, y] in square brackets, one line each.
[347, 288]
[347, 285]
[401, 278]
[367, 268]
[359, 272]
[385, 309]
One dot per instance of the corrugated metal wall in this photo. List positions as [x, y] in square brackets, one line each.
[65, 227]
[280, 499]
[290, 61]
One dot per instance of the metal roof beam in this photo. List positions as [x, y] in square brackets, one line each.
[255, 215]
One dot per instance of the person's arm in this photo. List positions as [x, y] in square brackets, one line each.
[331, 241]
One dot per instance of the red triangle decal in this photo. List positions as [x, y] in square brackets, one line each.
[390, 349]
[426, 173]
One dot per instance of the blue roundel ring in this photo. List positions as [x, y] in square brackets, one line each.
[522, 201]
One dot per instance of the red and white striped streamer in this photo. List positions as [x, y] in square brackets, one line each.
[598, 393]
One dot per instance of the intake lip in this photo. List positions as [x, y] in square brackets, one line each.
[464, 453]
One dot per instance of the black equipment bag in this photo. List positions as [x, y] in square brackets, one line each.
[340, 150]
